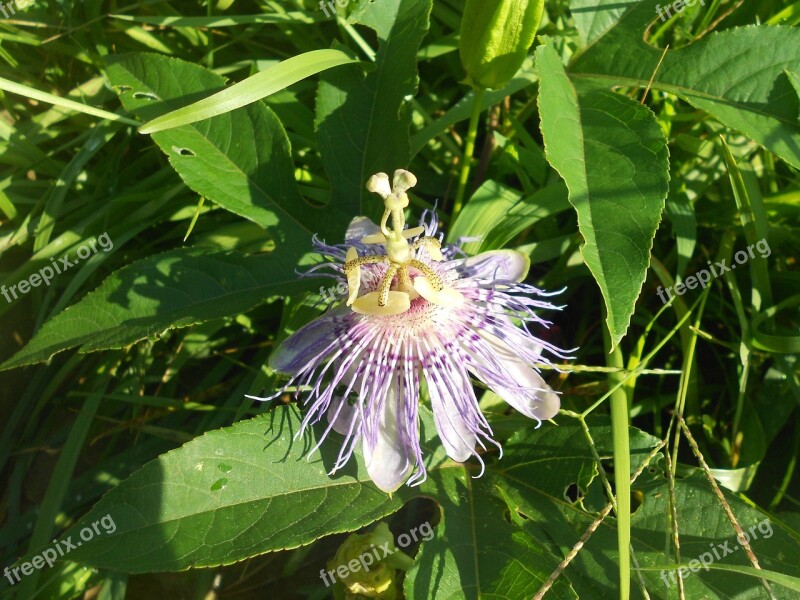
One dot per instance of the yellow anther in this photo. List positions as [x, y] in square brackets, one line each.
[353, 275]
[413, 232]
[368, 304]
[432, 245]
[445, 296]
[375, 238]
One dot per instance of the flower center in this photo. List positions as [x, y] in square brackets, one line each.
[394, 298]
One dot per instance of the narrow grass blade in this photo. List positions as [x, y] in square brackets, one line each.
[57, 489]
[29, 92]
[252, 89]
[288, 18]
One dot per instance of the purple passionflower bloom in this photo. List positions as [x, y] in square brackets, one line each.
[416, 310]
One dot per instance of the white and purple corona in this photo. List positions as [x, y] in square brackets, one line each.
[416, 310]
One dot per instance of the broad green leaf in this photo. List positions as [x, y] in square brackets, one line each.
[539, 469]
[794, 79]
[363, 121]
[740, 75]
[613, 157]
[240, 160]
[483, 547]
[703, 528]
[254, 88]
[478, 552]
[171, 290]
[594, 17]
[550, 479]
[231, 494]
[496, 214]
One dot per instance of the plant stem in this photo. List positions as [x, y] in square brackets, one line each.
[622, 468]
[469, 149]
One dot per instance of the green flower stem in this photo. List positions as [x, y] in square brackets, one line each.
[622, 466]
[469, 149]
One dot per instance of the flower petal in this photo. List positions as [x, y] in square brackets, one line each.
[341, 415]
[309, 342]
[359, 228]
[521, 386]
[458, 440]
[508, 265]
[387, 461]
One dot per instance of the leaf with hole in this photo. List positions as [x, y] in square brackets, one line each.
[239, 160]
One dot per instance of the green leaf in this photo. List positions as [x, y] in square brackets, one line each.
[171, 290]
[240, 160]
[794, 79]
[613, 157]
[34, 94]
[497, 214]
[738, 75]
[594, 17]
[289, 17]
[254, 88]
[228, 495]
[478, 552]
[363, 121]
[543, 471]
[484, 547]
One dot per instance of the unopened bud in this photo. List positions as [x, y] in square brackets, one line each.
[495, 38]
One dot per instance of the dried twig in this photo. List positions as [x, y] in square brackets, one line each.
[592, 528]
[743, 540]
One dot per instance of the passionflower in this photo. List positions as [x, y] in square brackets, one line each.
[416, 309]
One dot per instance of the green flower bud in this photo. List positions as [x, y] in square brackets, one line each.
[495, 38]
[369, 573]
